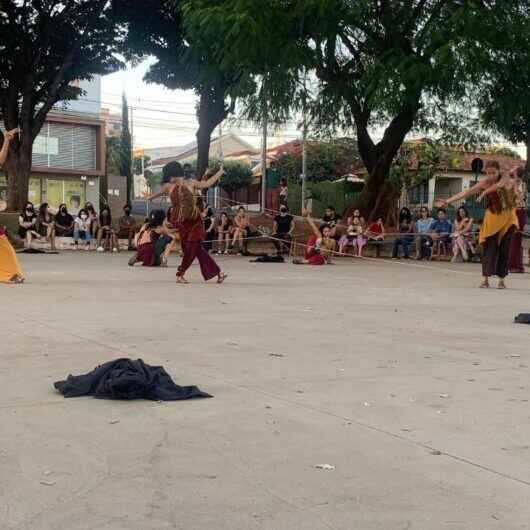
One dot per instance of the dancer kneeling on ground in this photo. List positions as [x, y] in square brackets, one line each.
[10, 271]
[320, 245]
[187, 219]
[500, 220]
[153, 242]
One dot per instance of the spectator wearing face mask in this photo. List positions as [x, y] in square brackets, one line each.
[82, 229]
[64, 222]
[47, 224]
[27, 224]
[283, 230]
[127, 226]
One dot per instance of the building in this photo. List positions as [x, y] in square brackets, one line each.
[113, 123]
[69, 154]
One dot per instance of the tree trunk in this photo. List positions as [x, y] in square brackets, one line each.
[18, 170]
[204, 138]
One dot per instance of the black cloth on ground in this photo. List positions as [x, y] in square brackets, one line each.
[127, 379]
[522, 318]
[267, 258]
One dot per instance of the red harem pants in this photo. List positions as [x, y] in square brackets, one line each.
[195, 249]
[516, 249]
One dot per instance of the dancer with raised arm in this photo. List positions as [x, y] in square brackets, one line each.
[320, 246]
[187, 219]
[499, 224]
[10, 271]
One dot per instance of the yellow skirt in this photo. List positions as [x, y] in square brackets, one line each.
[9, 265]
[497, 223]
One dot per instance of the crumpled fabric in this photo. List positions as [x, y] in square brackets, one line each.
[127, 379]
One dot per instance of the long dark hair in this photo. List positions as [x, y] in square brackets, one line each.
[43, 211]
[60, 210]
[24, 215]
[102, 220]
[459, 217]
[405, 215]
[156, 218]
[171, 170]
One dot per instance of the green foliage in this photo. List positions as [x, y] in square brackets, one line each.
[154, 179]
[325, 160]
[236, 177]
[416, 162]
[113, 155]
[137, 163]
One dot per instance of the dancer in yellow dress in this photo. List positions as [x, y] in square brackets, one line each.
[10, 271]
[499, 224]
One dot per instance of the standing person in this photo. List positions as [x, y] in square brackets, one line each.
[282, 230]
[186, 217]
[461, 234]
[82, 229]
[224, 228]
[516, 250]
[209, 228]
[499, 224]
[127, 226]
[423, 229]
[47, 224]
[10, 271]
[64, 222]
[284, 193]
[27, 224]
[106, 231]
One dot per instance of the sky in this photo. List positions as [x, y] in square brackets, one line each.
[163, 117]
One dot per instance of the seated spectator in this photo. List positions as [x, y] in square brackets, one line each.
[106, 231]
[284, 194]
[27, 224]
[423, 229]
[209, 228]
[127, 226]
[375, 234]
[331, 220]
[46, 224]
[224, 228]
[64, 222]
[441, 230]
[405, 237]
[282, 230]
[353, 237]
[82, 229]
[462, 235]
[320, 246]
[153, 242]
[241, 230]
[94, 220]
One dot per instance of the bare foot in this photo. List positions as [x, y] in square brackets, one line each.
[181, 279]
[221, 277]
[485, 285]
[501, 285]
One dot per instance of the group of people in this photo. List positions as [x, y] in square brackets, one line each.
[48, 223]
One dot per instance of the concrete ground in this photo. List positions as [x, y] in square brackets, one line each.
[405, 377]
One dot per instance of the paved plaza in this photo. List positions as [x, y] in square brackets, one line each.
[411, 383]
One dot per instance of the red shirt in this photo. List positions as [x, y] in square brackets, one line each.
[375, 228]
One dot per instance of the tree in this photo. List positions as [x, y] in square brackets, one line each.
[184, 60]
[325, 160]
[140, 163]
[379, 64]
[45, 47]
[113, 159]
[153, 179]
[503, 96]
[126, 149]
[236, 177]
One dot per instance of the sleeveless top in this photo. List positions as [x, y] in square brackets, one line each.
[184, 205]
[501, 200]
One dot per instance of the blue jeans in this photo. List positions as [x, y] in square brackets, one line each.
[82, 234]
[404, 242]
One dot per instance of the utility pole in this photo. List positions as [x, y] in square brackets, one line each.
[264, 158]
[304, 144]
[222, 160]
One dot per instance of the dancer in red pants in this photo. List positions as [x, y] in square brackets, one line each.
[186, 218]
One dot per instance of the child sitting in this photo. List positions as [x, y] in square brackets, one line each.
[354, 236]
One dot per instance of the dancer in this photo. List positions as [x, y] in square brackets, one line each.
[186, 217]
[10, 271]
[499, 224]
[320, 245]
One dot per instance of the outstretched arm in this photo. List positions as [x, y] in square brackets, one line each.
[494, 187]
[311, 223]
[166, 188]
[8, 136]
[212, 181]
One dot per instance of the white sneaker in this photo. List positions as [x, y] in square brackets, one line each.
[87, 248]
[114, 249]
[101, 249]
